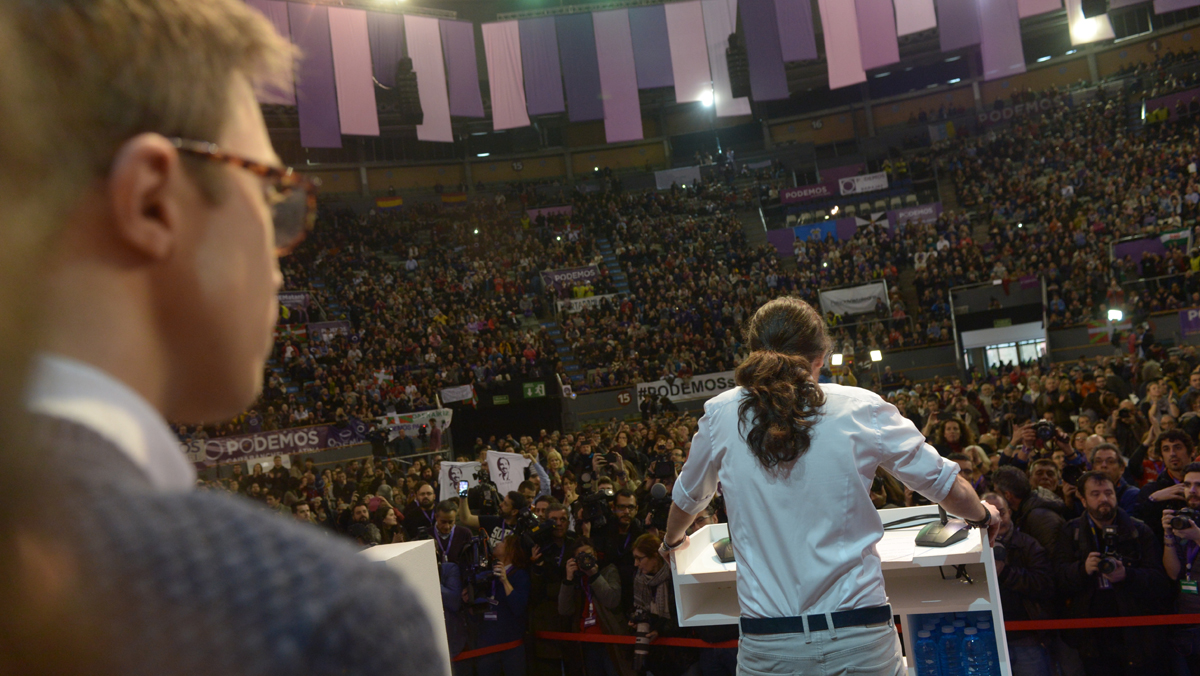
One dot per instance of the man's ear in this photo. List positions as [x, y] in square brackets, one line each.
[145, 185]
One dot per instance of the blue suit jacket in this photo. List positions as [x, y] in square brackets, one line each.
[205, 583]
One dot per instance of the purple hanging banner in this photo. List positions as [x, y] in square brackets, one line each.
[689, 52]
[651, 46]
[425, 48]
[502, 47]
[352, 71]
[1164, 6]
[958, 24]
[843, 55]
[539, 62]
[462, 70]
[618, 76]
[276, 11]
[1000, 45]
[1034, 7]
[580, 67]
[876, 33]
[796, 38]
[316, 94]
[914, 16]
[720, 20]
[768, 81]
[386, 33]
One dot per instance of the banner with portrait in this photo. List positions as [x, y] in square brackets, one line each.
[453, 472]
[507, 470]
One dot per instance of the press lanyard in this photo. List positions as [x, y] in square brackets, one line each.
[445, 547]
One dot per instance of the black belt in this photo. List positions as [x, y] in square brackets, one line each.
[795, 625]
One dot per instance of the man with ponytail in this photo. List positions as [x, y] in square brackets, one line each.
[795, 460]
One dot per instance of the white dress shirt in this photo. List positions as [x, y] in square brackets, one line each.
[805, 537]
[85, 395]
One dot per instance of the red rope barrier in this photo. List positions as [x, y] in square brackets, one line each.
[1103, 622]
[480, 652]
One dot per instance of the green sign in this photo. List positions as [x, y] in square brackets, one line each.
[999, 323]
[499, 399]
[534, 390]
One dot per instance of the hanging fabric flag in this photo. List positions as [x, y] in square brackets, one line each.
[720, 19]
[352, 71]
[651, 46]
[796, 38]
[958, 24]
[689, 51]
[1000, 44]
[425, 49]
[843, 56]
[540, 66]
[502, 47]
[618, 76]
[316, 93]
[386, 33]
[876, 33]
[277, 12]
[768, 79]
[914, 16]
[462, 69]
[1027, 8]
[580, 67]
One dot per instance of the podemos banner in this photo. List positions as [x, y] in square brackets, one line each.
[410, 423]
[697, 387]
[573, 305]
[204, 452]
[569, 277]
[852, 185]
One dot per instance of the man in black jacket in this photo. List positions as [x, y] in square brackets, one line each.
[1176, 448]
[1109, 564]
[1032, 514]
[1026, 578]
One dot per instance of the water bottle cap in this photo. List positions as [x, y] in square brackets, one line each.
[947, 629]
[983, 626]
[922, 634]
[959, 624]
[970, 631]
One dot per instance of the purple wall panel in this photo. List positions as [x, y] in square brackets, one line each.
[796, 36]
[618, 76]
[876, 33]
[580, 68]
[768, 81]
[651, 46]
[386, 33]
[316, 93]
[462, 70]
[539, 62]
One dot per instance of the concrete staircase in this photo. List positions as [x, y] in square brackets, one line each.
[565, 354]
[615, 273]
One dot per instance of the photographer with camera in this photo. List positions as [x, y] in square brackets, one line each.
[615, 540]
[1109, 564]
[496, 527]
[1181, 547]
[591, 596]
[1175, 448]
[1036, 515]
[547, 573]
[654, 613]
[504, 616]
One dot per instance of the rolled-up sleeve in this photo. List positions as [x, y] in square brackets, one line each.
[697, 483]
[904, 453]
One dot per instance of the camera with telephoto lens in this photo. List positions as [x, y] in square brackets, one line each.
[423, 533]
[1184, 519]
[477, 571]
[1045, 430]
[1109, 560]
[532, 531]
[595, 508]
[641, 644]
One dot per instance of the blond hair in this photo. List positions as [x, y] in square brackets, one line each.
[126, 67]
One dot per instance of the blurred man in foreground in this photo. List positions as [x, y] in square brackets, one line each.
[162, 304]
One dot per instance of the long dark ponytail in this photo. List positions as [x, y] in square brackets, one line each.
[785, 336]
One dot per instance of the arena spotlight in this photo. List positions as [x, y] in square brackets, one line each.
[834, 210]
[706, 98]
[876, 355]
[1115, 315]
[476, 231]
[835, 359]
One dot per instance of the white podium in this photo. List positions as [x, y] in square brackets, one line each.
[416, 562]
[706, 589]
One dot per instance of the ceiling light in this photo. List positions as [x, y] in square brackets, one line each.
[707, 97]
[954, 58]
[955, 80]
[1043, 59]
[482, 154]
[883, 74]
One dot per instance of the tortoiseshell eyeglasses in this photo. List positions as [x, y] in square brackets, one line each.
[292, 197]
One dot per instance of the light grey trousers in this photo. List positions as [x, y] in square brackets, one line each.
[873, 649]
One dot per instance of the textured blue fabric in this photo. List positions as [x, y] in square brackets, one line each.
[204, 583]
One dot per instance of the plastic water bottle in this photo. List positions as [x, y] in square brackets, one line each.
[989, 641]
[925, 653]
[975, 657]
[950, 652]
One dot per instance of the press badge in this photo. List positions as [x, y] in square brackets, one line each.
[590, 620]
[491, 616]
[1189, 587]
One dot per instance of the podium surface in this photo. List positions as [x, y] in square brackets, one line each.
[416, 562]
[918, 580]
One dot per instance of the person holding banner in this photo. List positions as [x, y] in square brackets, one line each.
[795, 460]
